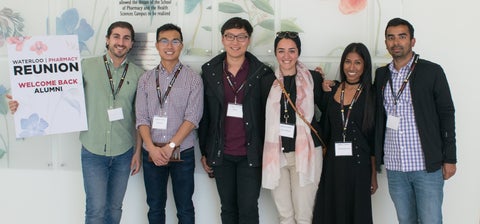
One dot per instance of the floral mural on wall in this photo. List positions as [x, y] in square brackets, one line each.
[11, 29]
[260, 13]
[71, 18]
[351, 6]
[69, 23]
[11, 25]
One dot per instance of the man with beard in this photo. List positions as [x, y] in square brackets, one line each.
[110, 149]
[415, 128]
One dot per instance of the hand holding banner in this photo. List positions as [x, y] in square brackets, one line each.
[46, 79]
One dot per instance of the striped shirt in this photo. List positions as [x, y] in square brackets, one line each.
[184, 102]
[402, 147]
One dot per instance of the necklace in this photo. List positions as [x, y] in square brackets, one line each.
[352, 83]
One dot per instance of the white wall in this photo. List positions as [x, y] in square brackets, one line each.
[57, 197]
[447, 32]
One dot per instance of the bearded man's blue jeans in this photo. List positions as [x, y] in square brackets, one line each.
[105, 180]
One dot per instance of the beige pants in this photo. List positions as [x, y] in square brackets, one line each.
[295, 203]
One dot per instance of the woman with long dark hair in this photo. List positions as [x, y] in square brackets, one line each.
[348, 175]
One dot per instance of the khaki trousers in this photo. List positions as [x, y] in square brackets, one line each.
[295, 203]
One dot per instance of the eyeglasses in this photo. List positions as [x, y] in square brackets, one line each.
[287, 34]
[174, 42]
[240, 37]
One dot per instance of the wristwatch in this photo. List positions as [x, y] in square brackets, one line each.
[172, 145]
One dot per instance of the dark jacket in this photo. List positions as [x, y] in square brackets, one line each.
[433, 109]
[211, 129]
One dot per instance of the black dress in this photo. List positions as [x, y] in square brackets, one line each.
[343, 196]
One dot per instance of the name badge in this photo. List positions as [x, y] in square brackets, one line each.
[159, 122]
[287, 130]
[115, 114]
[343, 148]
[235, 110]
[393, 122]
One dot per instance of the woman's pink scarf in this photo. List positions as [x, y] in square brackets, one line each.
[305, 156]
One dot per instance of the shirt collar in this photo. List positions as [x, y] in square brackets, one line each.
[404, 69]
[164, 70]
[110, 61]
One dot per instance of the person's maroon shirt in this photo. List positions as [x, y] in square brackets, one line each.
[235, 136]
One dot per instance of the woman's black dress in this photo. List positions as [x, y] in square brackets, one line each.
[343, 196]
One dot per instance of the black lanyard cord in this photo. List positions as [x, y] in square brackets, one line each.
[284, 96]
[230, 83]
[110, 79]
[167, 92]
[342, 110]
[405, 81]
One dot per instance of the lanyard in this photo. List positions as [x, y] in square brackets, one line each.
[285, 110]
[109, 74]
[342, 110]
[301, 115]
[235, 91]
[405, 81]
[159, 92]
[285, 101]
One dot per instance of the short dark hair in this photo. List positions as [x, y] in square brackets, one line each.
[237, 23]
[399, 22]
[169, 26]
[121, 24]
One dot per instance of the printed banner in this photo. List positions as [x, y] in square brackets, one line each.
[46, 80]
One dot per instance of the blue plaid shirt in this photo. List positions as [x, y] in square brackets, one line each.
[402, 147]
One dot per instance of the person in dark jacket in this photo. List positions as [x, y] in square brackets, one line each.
[231, 131]
[415, 128]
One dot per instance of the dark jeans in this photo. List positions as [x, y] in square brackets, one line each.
[156, 179]
[238, 186]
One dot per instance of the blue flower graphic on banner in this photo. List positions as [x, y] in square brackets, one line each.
[70, 23]
[33, 125]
